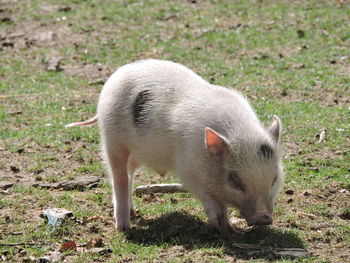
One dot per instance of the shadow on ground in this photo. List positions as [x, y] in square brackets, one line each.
[182, 229]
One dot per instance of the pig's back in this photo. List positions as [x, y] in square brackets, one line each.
[144, 94]
[158, 107]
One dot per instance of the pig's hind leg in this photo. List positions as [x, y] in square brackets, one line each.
[116, 156]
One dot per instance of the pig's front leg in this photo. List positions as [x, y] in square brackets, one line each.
[132, 167]
[218, 214]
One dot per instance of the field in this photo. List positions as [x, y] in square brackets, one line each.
[290, 58]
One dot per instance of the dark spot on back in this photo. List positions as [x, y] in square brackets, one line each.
[265, 151]
[141, 107]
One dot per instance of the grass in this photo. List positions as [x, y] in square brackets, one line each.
[289, 58]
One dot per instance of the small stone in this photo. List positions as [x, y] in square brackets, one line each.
[20, 150]
[5, 185]
[53, 64]
[8, 44]
[290, 192]
[307, 193]
[44, 259]
[94, 229]
[101, 250]
[64, 9]
[173, 200]
[345, 215]
[6, 20]
[46, 36]
[22, 252]
[14, 169]
[38, 178]
[56, 256]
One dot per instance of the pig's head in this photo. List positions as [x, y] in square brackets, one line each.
[251, 171]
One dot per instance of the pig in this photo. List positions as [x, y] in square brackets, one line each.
[162, 115]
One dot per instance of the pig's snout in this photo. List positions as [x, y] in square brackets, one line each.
[260, 219]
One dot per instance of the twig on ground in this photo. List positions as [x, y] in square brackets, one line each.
[306, 214]
[254, 250]
[18, 244]
[22, 95]
[159, 188]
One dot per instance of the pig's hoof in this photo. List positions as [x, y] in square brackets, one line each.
[123, 228]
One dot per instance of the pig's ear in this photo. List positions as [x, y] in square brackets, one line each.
[217, 145]
[275, 128]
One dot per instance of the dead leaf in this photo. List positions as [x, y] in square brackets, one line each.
[96, 242]
[91, 219]
[69, 245]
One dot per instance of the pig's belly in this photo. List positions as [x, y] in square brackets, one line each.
[159, 156]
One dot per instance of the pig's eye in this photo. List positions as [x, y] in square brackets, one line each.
[235, 181]
[274, 180]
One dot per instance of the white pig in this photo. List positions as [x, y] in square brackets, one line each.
[162, 115]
